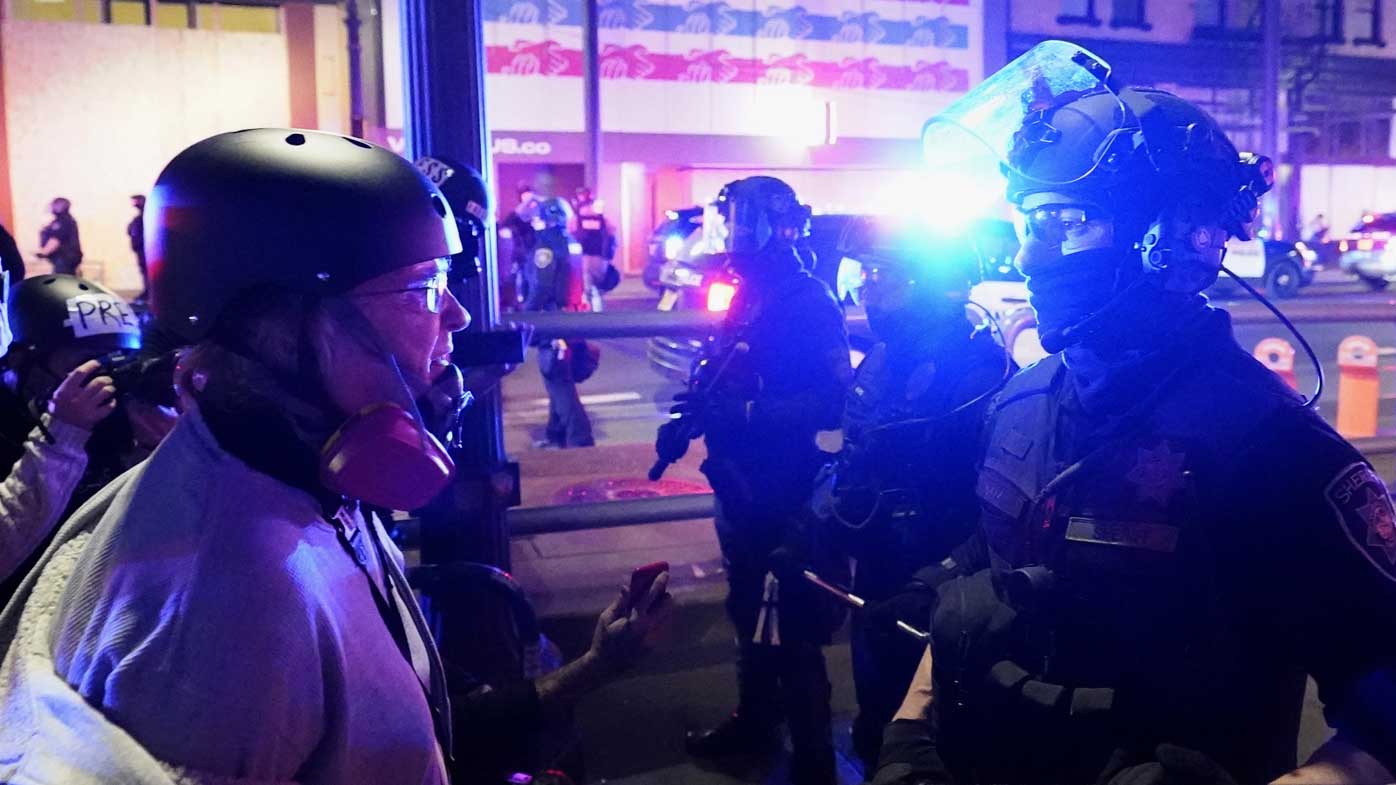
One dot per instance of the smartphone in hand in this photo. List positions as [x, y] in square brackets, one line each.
[644, 577]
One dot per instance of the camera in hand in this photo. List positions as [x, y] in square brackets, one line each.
[148, 379]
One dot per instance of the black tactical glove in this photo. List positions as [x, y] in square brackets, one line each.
[1172, 765]
[691, 407]
[671, 442]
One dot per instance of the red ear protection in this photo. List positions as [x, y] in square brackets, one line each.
[382, 457]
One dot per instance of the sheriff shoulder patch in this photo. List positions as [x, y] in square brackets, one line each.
[1364, 510]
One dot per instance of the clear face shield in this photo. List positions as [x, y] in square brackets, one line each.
[746, 227]
[997, 127]
[735, 228]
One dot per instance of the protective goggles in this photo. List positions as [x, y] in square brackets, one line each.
[1053, 223]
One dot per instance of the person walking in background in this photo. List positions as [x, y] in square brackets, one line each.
[58, 240]
[516, 241]
[598, 248]
[554, 279]
[136, 231]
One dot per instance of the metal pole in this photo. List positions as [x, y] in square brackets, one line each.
[591, 94]
[1270, 90]
[356, 69]
[444, 64]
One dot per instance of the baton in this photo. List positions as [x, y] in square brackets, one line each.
[858, 603]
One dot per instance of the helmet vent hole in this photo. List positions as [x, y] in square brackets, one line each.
[296, 139]
[83, 286]
[357, 143]
[50, 281]
[439, 205]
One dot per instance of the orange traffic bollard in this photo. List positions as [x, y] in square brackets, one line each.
[1359, 387]
[1278, 355]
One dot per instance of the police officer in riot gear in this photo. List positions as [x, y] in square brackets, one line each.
[554, 283]
[901, 493]
[784, 382]
[1169, 539]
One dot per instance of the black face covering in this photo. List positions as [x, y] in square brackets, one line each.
[442, 405]
[1070, 290]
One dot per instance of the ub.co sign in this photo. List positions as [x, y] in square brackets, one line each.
[508, 145]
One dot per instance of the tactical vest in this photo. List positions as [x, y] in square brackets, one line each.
[1098, 627]
[913, 472]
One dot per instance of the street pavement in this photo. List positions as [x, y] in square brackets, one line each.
[632, 730]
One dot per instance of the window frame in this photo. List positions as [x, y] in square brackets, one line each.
[1375, 35]
[1091, 19]
[1141, 20]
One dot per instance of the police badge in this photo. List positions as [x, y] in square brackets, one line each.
[1364, 508]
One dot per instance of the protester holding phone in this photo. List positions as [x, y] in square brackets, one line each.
[494, 722]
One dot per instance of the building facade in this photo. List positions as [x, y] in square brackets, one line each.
[96, 95]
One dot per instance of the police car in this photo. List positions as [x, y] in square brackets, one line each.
[1281, 268]
[1367, 251]
[668, 242]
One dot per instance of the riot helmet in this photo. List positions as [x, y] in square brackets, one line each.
[1134, 186]
[1056, 122]
[553, 212]
[305, 211]
[468, 197]
[902, 270]
[755, 217]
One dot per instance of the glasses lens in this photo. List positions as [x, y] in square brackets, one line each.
[1052, 223]
[436, 292]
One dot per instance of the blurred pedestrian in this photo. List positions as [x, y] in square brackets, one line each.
[554, 276]
[1318, 231]
[58, 240]
[516, 240]
[598, 248]
[135, 230]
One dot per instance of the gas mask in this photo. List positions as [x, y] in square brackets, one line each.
[389, 453]
[383, 456]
